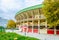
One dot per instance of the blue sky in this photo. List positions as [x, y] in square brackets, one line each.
[9, 8]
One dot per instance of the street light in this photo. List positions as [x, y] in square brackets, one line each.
[25, 30]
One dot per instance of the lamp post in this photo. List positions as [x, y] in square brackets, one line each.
[25, 30]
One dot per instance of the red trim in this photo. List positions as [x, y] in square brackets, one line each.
[35, 30]
[29, 30]
[50, 31]
[57, 31]
[24, 28]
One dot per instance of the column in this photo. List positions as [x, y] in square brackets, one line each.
[20, 26]
[32, 26]
[54, 30]
[38, 25]
[21, 15]
[46, 26]
[20, 23]
[38, 21]
[27, 25]
[46, 23]
[27, 21]
[32, 21]
[23, 26]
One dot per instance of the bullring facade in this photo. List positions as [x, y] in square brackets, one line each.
[32, 20]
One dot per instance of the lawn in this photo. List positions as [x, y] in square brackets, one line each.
[14, 36]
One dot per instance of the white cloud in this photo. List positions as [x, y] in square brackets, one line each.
[9, 4]
[33, 2]
[11, 7]
[3, 8]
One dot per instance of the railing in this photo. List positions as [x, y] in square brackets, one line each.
[31, 19]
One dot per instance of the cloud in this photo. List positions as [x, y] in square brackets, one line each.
[32, 2]
[10, 4]
[8, 8]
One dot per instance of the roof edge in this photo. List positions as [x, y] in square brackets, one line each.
[30, 8]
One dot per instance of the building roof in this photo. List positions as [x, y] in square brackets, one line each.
[30, 8]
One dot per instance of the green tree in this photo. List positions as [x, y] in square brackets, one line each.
[51, 11]
[2, 29]
[11, 24]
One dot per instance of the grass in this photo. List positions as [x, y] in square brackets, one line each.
[13, 36]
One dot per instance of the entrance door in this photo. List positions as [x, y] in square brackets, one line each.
[30, 29]
[35, 30]
[43, 30]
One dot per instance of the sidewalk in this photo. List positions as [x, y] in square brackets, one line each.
[39, 36]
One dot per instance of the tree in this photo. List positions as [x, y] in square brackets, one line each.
[2, 29]
[51, 11]
[11, 24]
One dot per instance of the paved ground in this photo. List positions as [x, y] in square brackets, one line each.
[40, 36]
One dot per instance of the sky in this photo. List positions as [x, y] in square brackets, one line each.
[9, 8]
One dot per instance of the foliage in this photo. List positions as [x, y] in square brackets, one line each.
[2, 29]
[51, 11]
[12, 36]
[11, 24]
